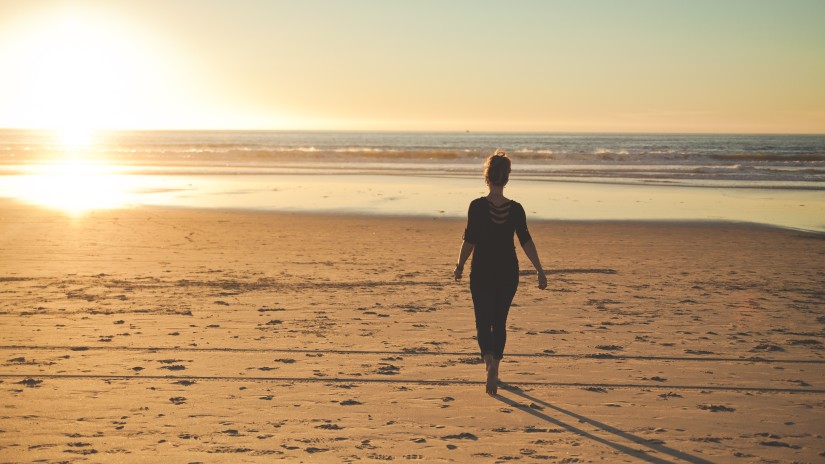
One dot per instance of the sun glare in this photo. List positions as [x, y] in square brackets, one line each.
[74, 138]
[83, 69]
[73, 187]
[74, 73]
[90, 66]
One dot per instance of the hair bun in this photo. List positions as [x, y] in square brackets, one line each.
[497, 168]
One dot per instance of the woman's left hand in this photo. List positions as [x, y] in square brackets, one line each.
[458, 272]
[542, 280]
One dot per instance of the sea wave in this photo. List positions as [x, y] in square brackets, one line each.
[816, 157]
[233, 152]
[705, 175]
[771, 158]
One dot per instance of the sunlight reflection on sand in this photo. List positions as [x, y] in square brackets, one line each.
[71, 186]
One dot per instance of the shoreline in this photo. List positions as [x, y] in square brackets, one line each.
[701, 223]
[710, 223]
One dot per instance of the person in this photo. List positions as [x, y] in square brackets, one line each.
[494, 275]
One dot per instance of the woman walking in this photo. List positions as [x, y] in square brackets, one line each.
[494, 275]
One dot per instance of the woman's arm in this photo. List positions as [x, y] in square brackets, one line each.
[531, 252]
[466, 250]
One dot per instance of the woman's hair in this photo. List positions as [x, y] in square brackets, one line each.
[497, 169]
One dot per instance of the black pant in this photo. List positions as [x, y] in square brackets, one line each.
[491, 300]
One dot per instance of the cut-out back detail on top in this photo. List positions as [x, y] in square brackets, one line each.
[499, 214]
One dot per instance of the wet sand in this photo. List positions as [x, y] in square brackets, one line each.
[215, 336]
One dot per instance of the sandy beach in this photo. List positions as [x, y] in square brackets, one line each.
[184, 335]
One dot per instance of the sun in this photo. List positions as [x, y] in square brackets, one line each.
[78, 76]
[77, 70]
[83, 67]
[74, 138]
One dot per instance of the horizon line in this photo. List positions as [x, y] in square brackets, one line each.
[422, 131]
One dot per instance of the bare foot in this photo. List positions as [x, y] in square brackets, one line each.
[492, 378]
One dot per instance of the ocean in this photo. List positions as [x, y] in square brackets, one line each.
[786, 160]
[753, 178]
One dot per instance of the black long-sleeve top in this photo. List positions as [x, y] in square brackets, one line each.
[490, 228]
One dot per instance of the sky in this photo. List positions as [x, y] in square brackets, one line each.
[720, 66]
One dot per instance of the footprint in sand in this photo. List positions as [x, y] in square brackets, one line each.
[699, 352]
[715, 408]
[778, 444]
[595, 389]
[80, 448]
[388, 369]
[766, 347]
[460, 436]
[174, 367]
[610, 347]
[329, 427]
[31, 383]
[532, 429]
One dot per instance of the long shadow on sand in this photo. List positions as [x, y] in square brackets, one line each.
[637, 453]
